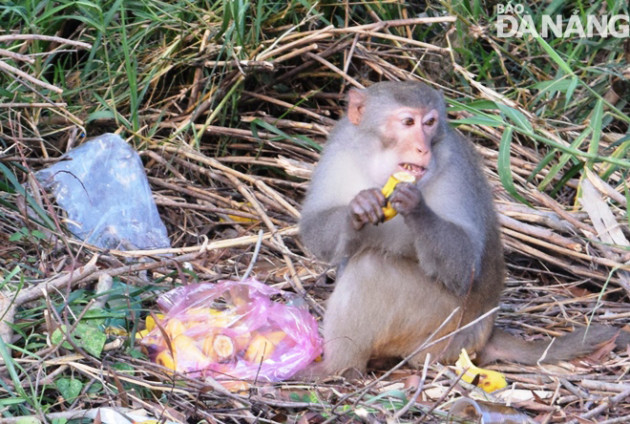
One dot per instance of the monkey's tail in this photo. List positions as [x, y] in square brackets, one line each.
[583, 341]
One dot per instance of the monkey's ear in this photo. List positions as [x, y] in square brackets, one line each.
[356, 104]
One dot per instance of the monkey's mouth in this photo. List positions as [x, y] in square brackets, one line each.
[413, 169]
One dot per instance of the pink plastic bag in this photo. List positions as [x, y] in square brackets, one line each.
[232, 330]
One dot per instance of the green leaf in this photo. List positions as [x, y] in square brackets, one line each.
[91, 338]
[57, 336]
[554, 85]
[596, 125]
[505, 171]
[479, 120]
[562, 161]
[12, 401]
[38, 234]
[11, 178]
[573, 82]
[88, 337]
[517, 117]
[299, 140]
[120, 366]
[472, 106]
[394, 397]
[17, 236]
[477, 108]
[28, 420]
[70, 388]
[100, 114]
[551, 52]
[542, 165]
[621, 147]
[12, 371]
[573, 172]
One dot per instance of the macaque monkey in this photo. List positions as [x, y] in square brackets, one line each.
[398, 281]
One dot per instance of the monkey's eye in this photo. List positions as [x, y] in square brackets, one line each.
[408, 122]
[430, 122]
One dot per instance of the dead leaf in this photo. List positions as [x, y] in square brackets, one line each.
[601, 351]
[604, 222]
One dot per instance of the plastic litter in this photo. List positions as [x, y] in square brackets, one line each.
[105, 192]
[232, 331]
[486, 412]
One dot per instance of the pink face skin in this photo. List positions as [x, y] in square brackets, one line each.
[411, 131]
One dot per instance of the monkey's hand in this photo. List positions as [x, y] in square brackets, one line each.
[367, 207]
[405, 198]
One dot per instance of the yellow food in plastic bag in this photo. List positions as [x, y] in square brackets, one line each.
[223, 347]
[260, 348]
[254, 347]
[165, 359]
[233, 331]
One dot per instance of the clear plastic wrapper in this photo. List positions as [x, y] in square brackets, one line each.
[105, 192]
[483, 412]
[232, 331]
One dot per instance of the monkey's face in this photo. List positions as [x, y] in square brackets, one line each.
[405, 119]
[409, 133]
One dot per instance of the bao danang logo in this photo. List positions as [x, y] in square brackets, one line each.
[514, 21]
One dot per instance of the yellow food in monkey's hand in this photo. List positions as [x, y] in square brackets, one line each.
[488, 380]
[388, 189]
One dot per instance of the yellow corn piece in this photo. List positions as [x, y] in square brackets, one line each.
[116, 331]
[241, 341]
[236, 386]
[260, 349]
[388, 189]
[489, 380]
[209, 317]
[248, 207]
[174, 327]
[165, 359]
[223, 346]
[186, 346]
[276, 337]
[150, 322]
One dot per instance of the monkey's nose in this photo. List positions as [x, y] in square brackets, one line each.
[421, 144]
[422, 149]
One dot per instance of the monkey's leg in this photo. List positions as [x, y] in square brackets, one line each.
[347, 336]
[381, 307]
[414, 306]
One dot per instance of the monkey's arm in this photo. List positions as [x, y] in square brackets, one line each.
[328, 233]
[337, 206]
[445, 250]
